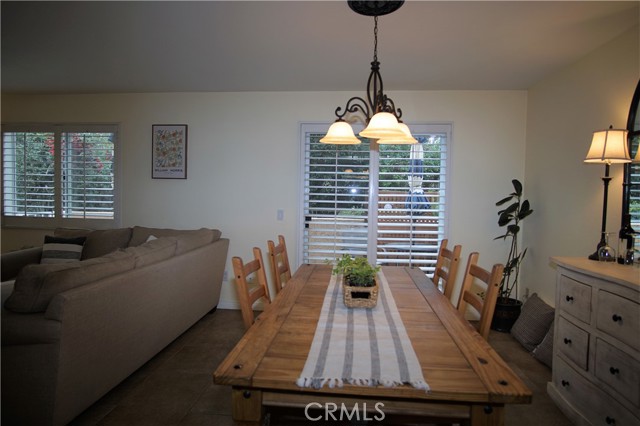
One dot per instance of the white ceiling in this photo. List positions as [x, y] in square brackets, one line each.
[168, 46]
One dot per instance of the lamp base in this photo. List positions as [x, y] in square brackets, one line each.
[594, 255]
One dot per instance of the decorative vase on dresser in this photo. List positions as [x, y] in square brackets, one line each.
[596, 350]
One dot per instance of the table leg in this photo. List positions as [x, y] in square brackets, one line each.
[246, 406]
[487, 415]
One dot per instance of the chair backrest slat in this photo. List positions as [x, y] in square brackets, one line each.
[447, 267]
[477, 277]
[279, 262]
[247, 296]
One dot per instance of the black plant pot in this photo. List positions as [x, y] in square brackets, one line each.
[506, 313]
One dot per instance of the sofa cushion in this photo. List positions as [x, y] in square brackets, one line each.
[153, 251]
[99, 242]
[61, 250]
[187, 239]
[533, 323]
[36, 285]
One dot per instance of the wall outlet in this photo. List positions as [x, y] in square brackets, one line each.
[225, 275]
[280, 215]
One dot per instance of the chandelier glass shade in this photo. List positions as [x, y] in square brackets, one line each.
[405, 139]
[380, 113]
[340, 133]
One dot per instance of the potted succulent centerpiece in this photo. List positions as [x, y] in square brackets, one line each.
[508, 306]
[360, 286]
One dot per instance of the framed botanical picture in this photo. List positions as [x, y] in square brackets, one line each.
[169, 151]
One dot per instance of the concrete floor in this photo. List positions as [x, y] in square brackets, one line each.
[176, 386]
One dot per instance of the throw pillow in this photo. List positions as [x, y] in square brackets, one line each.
[544, 351]
[533, 323]
[61, 250]
[99, 242]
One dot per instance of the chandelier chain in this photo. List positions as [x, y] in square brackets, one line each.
[375, 39]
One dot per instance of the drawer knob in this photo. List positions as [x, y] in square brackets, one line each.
[610, 420]
[616, 318]
[567, 341]
[614, 371]
[569, 298]
[564, 383]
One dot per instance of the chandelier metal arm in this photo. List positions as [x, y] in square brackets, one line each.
[354, 104]
[378, 101]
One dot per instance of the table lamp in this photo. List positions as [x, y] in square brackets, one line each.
[609, 147]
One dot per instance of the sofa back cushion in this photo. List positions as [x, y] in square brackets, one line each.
[186, 239]
[99, 242]
[153, 251]
[36, 285]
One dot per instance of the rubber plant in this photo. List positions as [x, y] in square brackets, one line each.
[510, 217]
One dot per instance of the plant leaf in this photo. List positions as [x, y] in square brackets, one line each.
[513, 229]
[507, 214]
[517, 186]
[504, 200]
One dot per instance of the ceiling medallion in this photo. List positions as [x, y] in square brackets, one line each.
[374, 8]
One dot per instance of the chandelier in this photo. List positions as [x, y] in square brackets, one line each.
[380, 113]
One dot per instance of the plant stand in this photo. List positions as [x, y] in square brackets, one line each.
[360, 297]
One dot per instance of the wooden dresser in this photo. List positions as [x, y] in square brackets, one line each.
[596, 350]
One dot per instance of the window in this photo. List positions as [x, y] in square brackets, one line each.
[386, 202]
[634, 181]
[57, 175]
[631, 186]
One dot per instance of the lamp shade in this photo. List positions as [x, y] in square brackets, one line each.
[608, 146]
[405, 139]
[381, 125]
[340, 133]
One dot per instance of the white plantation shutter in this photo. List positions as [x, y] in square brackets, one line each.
[60, 175]
[368, 200]
[336, 200]
[88, 178]
[28, 174]
[634, 191]
[411, 200]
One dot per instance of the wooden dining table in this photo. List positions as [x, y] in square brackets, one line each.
[468, 380]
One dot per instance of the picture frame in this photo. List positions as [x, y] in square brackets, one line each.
[169, 151]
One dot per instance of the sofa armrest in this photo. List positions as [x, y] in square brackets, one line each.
[12, 262]
[28, 329]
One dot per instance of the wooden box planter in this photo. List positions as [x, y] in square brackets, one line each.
[360, 297]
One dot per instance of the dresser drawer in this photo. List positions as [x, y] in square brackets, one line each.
[573, 342]
[575, 298]
[619, 370]
[594, 404]
[619, 317]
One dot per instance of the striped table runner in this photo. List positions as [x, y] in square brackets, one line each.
[364, 347]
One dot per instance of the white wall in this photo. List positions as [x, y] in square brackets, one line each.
[563, 112]
[244, 150]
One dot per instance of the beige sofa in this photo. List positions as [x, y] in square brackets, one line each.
[72, 331]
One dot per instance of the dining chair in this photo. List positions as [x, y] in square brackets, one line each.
[279, 261]
[477, 278]
[249, 293]
[447, 268]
